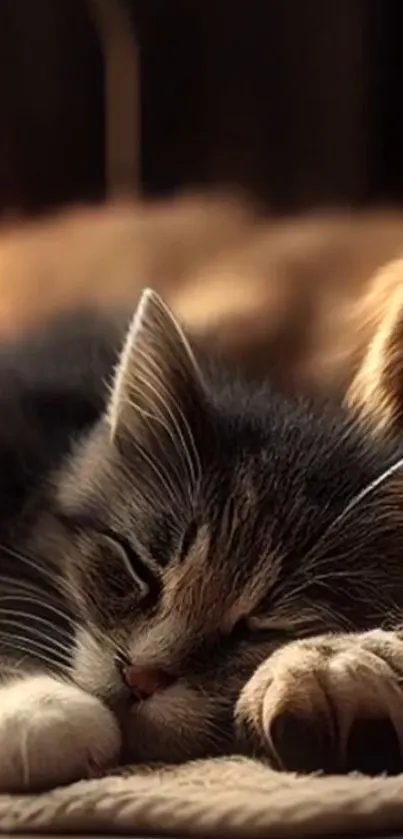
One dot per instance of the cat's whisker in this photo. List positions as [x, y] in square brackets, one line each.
[330, 552]
[371, 586]
[60, 587]
[288, 604]
[17, 588]
[42, 636]
[32, 563]
[8, 581]
[347, 574]
[36, 601]
[32, 619]
[287, 590]
[361, 496]
[33, 649]
[333, 619]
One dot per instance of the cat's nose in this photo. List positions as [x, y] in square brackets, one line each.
[145, 681]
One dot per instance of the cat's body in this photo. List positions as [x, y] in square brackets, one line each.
[197, 525]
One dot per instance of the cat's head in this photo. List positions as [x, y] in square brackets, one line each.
[201, 524]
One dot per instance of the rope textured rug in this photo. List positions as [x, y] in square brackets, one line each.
[227, 797]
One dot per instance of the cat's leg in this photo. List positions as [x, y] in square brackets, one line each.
[52, 732]
[304, 703]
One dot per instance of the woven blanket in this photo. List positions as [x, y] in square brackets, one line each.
[232, 797]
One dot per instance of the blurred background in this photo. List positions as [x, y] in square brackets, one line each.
[297, 101]
[290, 109]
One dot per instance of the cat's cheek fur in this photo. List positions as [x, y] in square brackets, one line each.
[52, 733]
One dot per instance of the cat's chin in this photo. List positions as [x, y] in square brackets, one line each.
[174, 725]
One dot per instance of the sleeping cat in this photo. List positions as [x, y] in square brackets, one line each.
[228, 560]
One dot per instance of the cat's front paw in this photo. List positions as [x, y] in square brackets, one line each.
[52, 733]
[331, 703]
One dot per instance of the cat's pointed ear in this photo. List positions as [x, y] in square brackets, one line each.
[376, 392]
[158, 389]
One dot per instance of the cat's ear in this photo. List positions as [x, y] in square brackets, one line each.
[158, 389]
[376, 392]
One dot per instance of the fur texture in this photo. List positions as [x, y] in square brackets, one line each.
[228, 561]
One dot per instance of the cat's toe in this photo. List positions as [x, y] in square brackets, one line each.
[283, 713]
[300, 743]
[52, 733]
[373, 748]
[293, 737]
[303, 743]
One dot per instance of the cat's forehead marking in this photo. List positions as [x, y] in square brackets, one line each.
[258, 586]
[188, 583]
[218, 591]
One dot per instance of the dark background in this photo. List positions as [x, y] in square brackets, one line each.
[298, 101]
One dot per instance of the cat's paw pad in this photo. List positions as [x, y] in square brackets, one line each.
[52, 733]
[329, 703]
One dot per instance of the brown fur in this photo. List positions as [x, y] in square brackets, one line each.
[271, 295]
[257, 612]
[105, 255]
[301, 703]
[231, 548]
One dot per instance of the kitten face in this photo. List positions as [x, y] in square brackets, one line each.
[200, 527]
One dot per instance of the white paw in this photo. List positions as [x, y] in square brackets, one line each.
[52, 733]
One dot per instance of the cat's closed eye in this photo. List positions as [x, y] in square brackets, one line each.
[120, 551]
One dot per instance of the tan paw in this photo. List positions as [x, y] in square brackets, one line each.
[331, 703]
